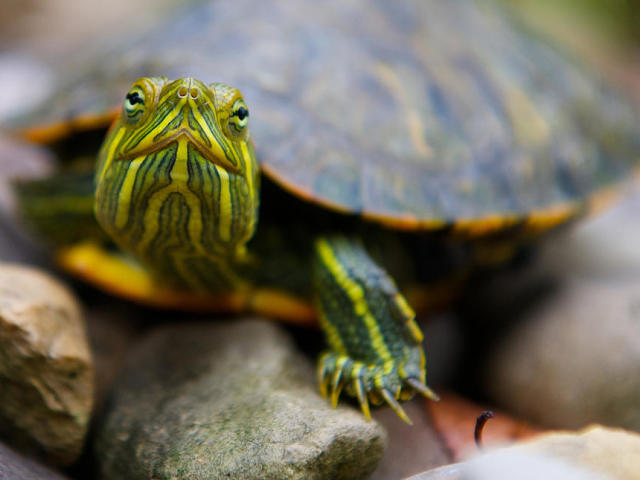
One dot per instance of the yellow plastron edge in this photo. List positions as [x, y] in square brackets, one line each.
[113, 274]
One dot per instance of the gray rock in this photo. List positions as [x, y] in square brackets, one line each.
[46, 372]
[595, 453]
[229, 400]
[508, 464]
[113, 328]
[14, 466]
[411, 449]
[574, 357]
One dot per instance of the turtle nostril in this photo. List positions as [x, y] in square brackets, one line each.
[182, 92]
[193, 92]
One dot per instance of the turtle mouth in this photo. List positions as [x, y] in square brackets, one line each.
[214, 153]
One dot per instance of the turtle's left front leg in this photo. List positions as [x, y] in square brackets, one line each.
[375, 345]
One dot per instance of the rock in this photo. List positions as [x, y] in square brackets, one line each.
[14, 466]
[575, 360]
[229, 400]
[594, 453]
[573, 357]
[46, 372]
[411, 449]
[113, 328]
[508, 464]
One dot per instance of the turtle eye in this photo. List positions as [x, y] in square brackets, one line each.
[239, 118]
[134, 104]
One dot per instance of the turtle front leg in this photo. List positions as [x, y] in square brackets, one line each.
[375, 344]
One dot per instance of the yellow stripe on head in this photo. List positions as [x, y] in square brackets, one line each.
[177, 184]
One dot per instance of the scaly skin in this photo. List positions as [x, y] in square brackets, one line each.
[177, 186]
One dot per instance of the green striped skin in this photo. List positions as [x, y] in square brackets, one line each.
[376, 346]
[177, 182]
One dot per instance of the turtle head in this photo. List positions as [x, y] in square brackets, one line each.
[177, 171]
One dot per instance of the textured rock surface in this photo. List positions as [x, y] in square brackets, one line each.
[14, 466]
[46, 373]
[576, 359]
[411, 449]
[573, 358]
[229, 400]
[595, 453]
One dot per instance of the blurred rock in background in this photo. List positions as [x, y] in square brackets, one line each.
[604, 32]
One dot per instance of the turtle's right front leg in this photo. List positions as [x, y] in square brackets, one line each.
[375, 345]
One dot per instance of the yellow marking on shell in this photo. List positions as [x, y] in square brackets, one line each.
[416, 129]
[356, 294]
[543, 220]
[415, 125]
[49, 133]
[485, 226]
[529, 126]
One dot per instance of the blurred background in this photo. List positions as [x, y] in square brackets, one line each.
[604, 32]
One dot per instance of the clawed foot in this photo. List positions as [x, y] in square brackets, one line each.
[374, 383]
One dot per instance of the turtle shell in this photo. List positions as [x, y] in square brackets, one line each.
[417, 113]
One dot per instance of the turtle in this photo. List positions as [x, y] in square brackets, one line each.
[397, 146]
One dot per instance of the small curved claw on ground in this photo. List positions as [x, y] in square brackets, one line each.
[336, 387]
[323, 380]
[420, 387]
[393, 403]
[362, 397]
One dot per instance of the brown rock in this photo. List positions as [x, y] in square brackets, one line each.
[46, 372]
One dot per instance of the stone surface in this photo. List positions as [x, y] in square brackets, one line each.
[571, 357]
[14, 466]
[46, 372]
[575, 359]
[594, 453]
[508, 464]
[229, 400]
[411, 449]
[113, 328]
